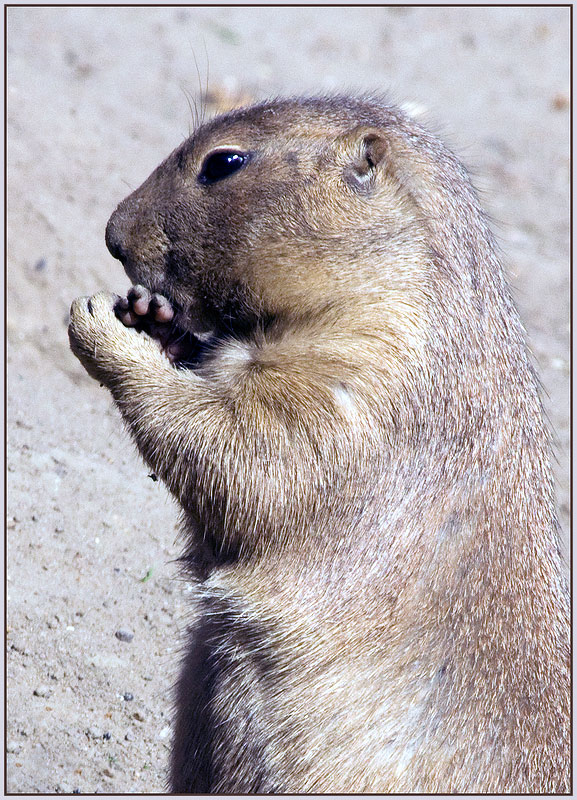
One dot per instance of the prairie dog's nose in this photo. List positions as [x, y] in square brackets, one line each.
[134, 234]
[115, 236]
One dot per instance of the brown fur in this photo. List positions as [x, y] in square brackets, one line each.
[361, 460]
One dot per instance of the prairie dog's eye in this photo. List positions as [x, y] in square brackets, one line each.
[221, 164]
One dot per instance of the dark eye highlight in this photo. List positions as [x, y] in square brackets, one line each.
[220, 165]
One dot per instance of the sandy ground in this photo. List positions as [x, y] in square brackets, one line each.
[96, 98]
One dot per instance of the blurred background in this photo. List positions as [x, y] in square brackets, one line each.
[97, 97]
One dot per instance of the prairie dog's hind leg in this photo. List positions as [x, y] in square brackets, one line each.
[220, 735]
[191, 760]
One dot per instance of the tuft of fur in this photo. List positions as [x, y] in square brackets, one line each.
[360, 455]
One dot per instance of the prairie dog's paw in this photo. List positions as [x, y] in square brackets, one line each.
[141, 306]
[155, 314]
[90, 321]
[100, 341]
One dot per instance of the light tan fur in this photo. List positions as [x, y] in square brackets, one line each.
[360, 457]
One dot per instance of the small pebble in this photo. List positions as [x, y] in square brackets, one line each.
[108, 773]
[128, 696]
[124, 634]
[138, 715]
[40, 264]
[95, 733]
[42, 691]
[560, 102]
[106, 735]
[542, 30]
[147, 677]
[165, 732]
[129, 736]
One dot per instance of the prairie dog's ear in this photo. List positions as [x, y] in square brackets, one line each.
[365, 149]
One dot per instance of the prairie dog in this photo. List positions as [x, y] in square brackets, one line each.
[321, 360]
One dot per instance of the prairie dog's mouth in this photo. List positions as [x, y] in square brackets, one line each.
[185, 348]
[187, 316]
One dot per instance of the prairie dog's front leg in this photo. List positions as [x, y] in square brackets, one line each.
[245, 449]
[137, 369]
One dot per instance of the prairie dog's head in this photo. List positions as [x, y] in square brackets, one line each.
[286, 207]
